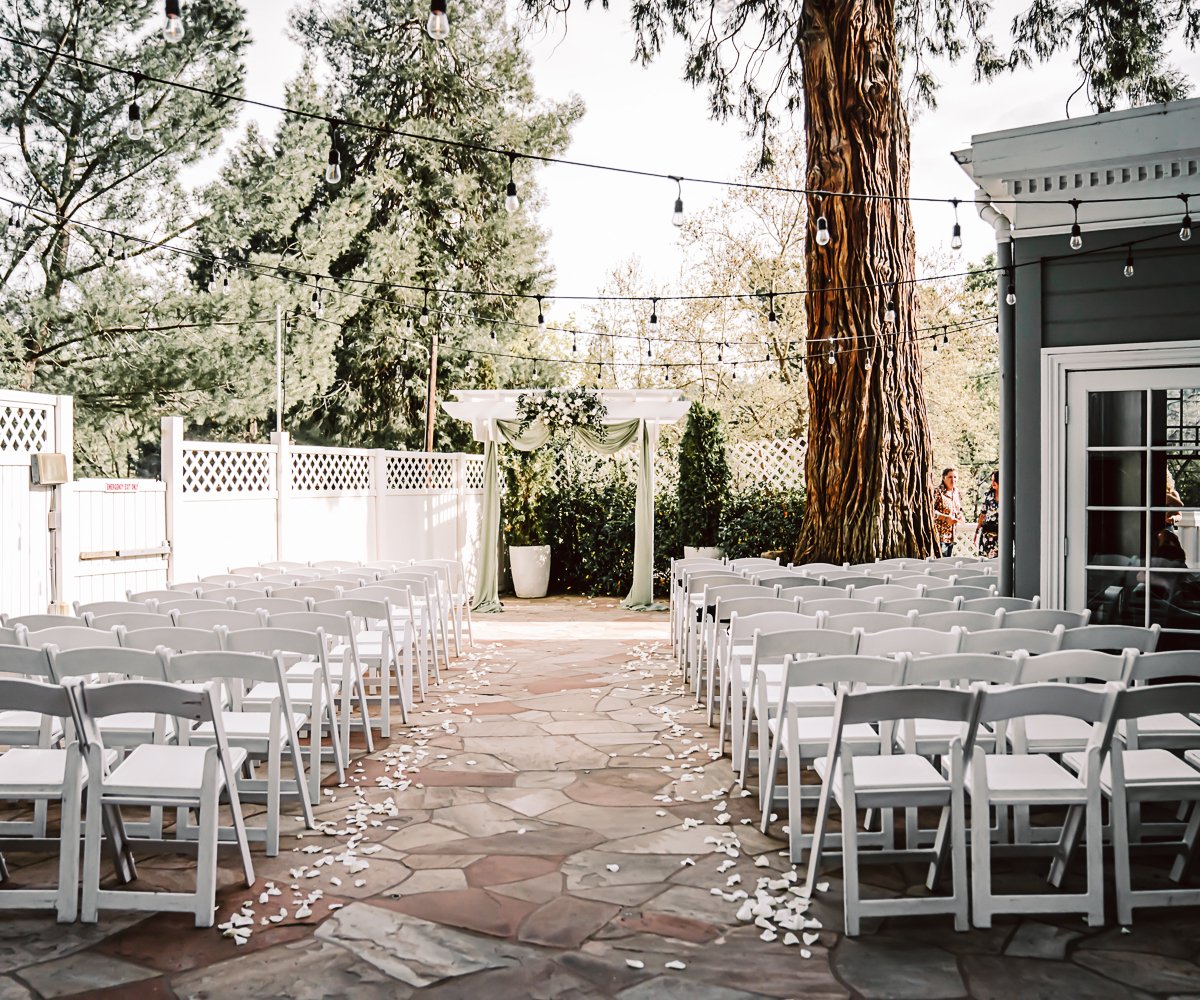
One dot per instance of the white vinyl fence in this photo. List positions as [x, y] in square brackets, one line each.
[242, 504]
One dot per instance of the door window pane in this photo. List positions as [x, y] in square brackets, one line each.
[1176, 417]
[1116, 478]
[1116, 419]
[1174, 598]
[1116, 538]
[1116, 597]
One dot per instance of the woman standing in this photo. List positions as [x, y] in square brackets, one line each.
[947, 511]
[987, 530]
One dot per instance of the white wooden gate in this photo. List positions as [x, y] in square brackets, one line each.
[114, 538]
[30, 423]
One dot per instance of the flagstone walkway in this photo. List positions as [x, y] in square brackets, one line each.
[554, 825]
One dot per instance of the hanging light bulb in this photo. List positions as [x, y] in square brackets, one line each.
[720, 356]
[438, 25]
[134, 128]
[1129, 263]
[956, 232]
[677, 214]
[654, 316]
[110, 255]
[493, 330]
[649, 349]
[333, 167]
[666, 375]
[424, 317]
[1185, 225]
[891, 353]
[823, 236]
[945, 335]
[173, 26]
[314, 302]
[889, 312]
[733, 369]
[935, 346]
[535, 373]
[541, 317]
[1076, 233]
[1010, 297]
[511, 201]
[404, 352]
[226, 284]
[772, 319]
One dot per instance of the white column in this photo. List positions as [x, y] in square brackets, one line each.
[171, 472]
[378, 501]
[283, 488]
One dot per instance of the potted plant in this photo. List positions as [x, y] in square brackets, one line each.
[703, 482]
[528, 556]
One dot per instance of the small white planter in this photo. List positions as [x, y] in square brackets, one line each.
[530, 569]
[701, 552]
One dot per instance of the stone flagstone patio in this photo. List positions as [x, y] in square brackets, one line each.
[554, 825]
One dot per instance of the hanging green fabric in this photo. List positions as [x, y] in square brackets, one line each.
[616, 436]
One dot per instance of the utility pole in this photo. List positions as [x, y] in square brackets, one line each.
[431, 394]
[278, 367]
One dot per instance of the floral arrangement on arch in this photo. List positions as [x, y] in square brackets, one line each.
[562, 410]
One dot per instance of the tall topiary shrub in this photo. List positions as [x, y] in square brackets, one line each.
[703, 477]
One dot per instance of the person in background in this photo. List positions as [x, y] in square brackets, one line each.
[987, 530]
[947, 511]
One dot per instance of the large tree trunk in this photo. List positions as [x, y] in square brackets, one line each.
[868, 453]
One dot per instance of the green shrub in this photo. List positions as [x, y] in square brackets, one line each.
[527, 479]
[761, 520]
[703, 477]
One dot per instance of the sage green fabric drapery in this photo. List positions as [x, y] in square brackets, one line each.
[618, 435]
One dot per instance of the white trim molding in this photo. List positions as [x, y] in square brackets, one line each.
[1057, 365]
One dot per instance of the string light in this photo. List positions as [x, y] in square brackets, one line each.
[438, 25]
[1185, 225]
[424, 317]
[677, 214]
[511, 201]
[945, 335]
[956, 233]
[1010, 296]
[823, 236]
[649, 349]
[315, 303]
[1076, 233]
[173, 30]
[889, 311]
[574, 342]
[493, 330]
[226, 282]
[110, 256]
[133, 127]
[1129, 262]
[333, 168]
[541, 318]
[654, 316]
[772, 319]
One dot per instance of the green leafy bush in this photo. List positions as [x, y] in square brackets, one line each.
[761, 520]
[703, 477]
[527, 479]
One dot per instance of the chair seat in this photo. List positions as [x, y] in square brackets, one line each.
[242, 727]
[1023, 776]
[1173, 726]
[1055, 733]
[817, 730]
[154, 771]
[32, 772]
[940, 732]
[300, 694]
[305, 669]
[808, 694]
[904, 772]
[21, 727]
[1146, 769]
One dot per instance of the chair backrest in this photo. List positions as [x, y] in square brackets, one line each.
[1071, 700]
[696, 582]
[292, 578]
[36, 623]
[1113, 637]
[1046, 619]
[771, 647]
[844, 578]
[227, 618]
[1181, 663]
[25, 662]
[339, 626]
[966, 593]
[985, 580]
[131, 619]
[173, 638]
[14, 636]
[727, 607]
[315, 591]
[195, 703]
[963, 668]
[225, 580]
[272, 605]
[817, 568]
[968, 621]
[810, 592]
[835, 605]
[714, 594]
[230, 594]
[889, 592]
[73, 638]
[186, 605]
[914, 641]
[751, 562]
[369, 609]
[284, 640]
[913, 578]
[941, 572]
[899, 703]
[335, 564]
[1009, 640]
[146, 596]
[1157, 699]
[1006, 604]
[843, 671]
[256, 668]
[86, 662]
[95, 608]
[1072, 663]
[782, 578]
[921, 605]
[400, 595]
[744, 626]
[18, 695]
[254, 572]
[867, 621]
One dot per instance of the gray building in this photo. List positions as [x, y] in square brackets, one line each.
[1100, 361]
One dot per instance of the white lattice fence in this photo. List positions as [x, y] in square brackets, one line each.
[407, 472]
[330, 470]
[209, 467]
[776, 462]
[25, 427]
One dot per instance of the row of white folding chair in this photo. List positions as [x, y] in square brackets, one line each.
[681, 571]
[1106, 767]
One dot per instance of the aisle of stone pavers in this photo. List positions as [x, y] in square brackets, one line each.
[556, 823]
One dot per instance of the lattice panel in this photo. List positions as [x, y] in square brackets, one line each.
[24, 428]
[208, 470]
[473, 473]
[422, 472]
[777, 462]
[330, 472]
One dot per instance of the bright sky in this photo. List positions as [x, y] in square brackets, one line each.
[649, 118]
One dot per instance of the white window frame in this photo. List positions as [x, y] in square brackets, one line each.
[1057, 365]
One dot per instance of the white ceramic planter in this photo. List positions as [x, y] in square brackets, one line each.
[530, 569]
[701, 552]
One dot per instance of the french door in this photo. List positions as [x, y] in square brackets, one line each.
[1133, 499]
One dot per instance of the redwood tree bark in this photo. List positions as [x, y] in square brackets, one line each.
[868, 453]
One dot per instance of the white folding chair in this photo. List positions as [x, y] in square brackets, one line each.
[1006, 604]
[159, 776]
[460, 598]
[965, 593]
[1113, 638]
[42, 774]
[1009, 640]
[172, 638]
[273, 605]
[865, 621]
[376, 646]
[266, 731]
[106, 607]
[1019, 780]
[226, 618]
[718, 641]
[890, 592]
[39, 623]
[413, 625]
[921, 605]
[882, 780]
[914, 641]
[129, 620]
[834, 606]
[1045, 619]
[187, 605]
[968, 621]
